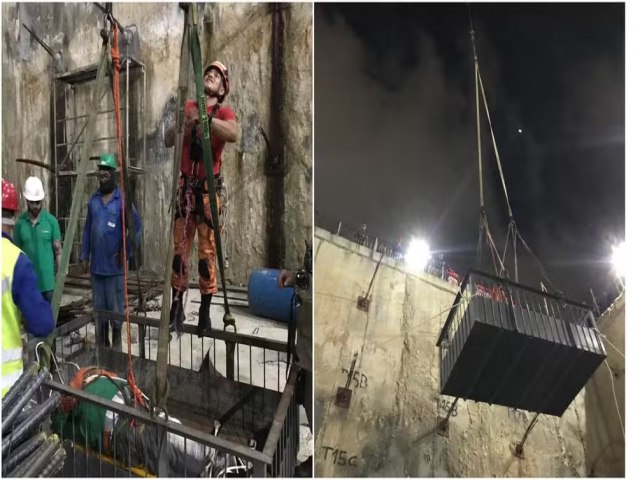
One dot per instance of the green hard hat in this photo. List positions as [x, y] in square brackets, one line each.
[108, 160]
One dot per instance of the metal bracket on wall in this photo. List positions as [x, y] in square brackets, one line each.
[442, 426]
[363, 303]
[442, 423]
[343, 395]
[518, 449]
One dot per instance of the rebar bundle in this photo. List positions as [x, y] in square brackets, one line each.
[26, 450]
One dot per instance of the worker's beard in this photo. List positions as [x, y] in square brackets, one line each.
[35, 211]
[108, 186]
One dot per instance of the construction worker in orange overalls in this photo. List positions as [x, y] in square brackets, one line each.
[192, 208]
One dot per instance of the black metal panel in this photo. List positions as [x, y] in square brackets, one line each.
[510, 345]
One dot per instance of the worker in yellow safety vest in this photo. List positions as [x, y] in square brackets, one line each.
[22, 302]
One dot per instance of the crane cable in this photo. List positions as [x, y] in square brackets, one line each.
[484, 223]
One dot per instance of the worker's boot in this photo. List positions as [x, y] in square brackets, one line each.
[204, 318]
[176, 317]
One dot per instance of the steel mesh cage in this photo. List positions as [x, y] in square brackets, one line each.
[259, 410]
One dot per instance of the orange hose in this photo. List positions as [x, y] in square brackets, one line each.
[138, 398]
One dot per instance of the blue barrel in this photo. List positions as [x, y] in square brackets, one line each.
[266, 299]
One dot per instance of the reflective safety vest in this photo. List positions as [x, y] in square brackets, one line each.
[12, 365]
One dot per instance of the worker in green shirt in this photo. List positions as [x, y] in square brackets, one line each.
[37, 233]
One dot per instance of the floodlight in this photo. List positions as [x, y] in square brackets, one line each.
[417, 255]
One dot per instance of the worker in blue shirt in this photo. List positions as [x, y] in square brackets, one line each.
[102, 245]
[22, 303]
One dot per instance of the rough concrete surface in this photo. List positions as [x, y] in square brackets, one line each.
[389, 429]
[239, 35]
[605, 436]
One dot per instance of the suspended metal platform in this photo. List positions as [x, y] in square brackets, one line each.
[508, 344]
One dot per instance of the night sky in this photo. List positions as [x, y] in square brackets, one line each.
[395, 130]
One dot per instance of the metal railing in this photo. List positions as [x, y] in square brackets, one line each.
[437, 266]
[283, 439]
[267, 359]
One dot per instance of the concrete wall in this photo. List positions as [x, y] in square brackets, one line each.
[239, 35]
[389, 428]
[605, 440]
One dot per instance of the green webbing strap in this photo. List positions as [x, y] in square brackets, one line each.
[196, 56]
[162, 390]
[81, 181]
[208, 159]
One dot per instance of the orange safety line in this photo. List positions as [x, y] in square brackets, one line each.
[138, 398]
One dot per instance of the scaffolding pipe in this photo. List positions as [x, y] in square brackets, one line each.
[78, 117]
[100, 139]
[54, 93]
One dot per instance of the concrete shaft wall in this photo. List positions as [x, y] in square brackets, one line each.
[605, 439]
[239, 35]
[389, 428]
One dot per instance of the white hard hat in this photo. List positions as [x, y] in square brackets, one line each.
[33, 189]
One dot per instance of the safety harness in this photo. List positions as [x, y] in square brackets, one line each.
[192, 185]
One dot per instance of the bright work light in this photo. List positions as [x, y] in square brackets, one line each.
[619, 259]
[417, 255]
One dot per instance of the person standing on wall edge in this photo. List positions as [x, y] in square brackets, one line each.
[102, 244]
[22, 302]
[192, 208]
[37, 233]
